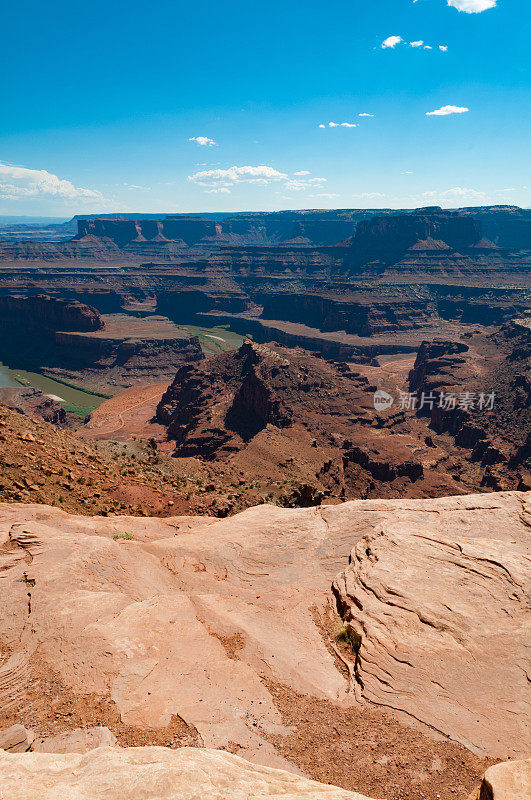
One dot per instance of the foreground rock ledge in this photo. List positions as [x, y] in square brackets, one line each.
[186, 616]
[146, 773]
[440, 605]
[510, 780]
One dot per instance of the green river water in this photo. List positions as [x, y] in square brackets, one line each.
[71, 398]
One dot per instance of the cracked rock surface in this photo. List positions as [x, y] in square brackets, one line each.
[439, 595]
[190, 618]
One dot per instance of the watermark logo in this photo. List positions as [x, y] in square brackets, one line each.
[447, 401]
[382, 400]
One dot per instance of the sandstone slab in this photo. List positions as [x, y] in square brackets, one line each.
[16, 739]
[145, 773]
[510, 780]
[188, 618]
[79, 741]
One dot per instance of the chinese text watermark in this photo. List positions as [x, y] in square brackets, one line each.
[447, 401]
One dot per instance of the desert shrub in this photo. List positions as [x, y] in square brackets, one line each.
[350, 637]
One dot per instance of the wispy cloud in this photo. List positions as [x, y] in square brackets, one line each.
[301, 184]
[443, 47]
[364, 114]
[457, 193]
[472, 6]
[130, 187]
[418, 43]
[204, 141]
[445, 111]
[19, 183]
[301, 172]
[369, 196]
[391, 42]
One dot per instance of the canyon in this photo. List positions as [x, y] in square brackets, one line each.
[71, 340]
[284, 550]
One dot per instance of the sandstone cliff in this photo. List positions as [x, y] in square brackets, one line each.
[48, 313]
[385, 240]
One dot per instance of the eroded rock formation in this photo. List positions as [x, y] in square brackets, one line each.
[187, 617]
[430, 605]
[480, 393]
[291, 406]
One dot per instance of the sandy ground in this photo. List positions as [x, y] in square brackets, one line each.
[128, 413]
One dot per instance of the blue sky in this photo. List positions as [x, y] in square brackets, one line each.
[109, 106]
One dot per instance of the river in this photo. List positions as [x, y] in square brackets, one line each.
[68, 396]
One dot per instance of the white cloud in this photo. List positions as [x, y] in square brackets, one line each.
[407, 172]
[444, 111]
[300, 185]
[443, 47]
[295, 186]
[391, 41]
[341, 125]
[512, 189]
[227, 177]
[457, 193]
[204, 141]
[365, 115]
[472, 6]
[18, 183]
[322, 194]
[222, 180]
[132, 186]
[370, 195]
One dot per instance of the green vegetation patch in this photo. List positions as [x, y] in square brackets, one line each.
[78, 410]
[77, 386]
[349, 637]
